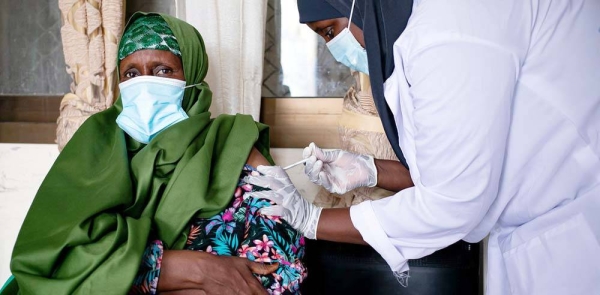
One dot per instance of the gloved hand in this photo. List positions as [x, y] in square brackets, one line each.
[339, 171]
[292, 207]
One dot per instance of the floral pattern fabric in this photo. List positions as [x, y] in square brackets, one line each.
[239, 231]
[147, 279]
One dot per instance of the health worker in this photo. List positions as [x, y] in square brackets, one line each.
[494, 108]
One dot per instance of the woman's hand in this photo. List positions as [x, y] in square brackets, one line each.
[193, 272]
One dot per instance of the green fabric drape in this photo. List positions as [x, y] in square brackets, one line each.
[90, 220]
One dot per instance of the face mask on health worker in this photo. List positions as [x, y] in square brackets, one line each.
[346, 50]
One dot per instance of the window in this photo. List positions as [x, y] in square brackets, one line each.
[298, 65]
[297, 61]
[33, 78]
[32, 60]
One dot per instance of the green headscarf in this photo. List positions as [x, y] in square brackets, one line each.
[150, 32]
[92, 216]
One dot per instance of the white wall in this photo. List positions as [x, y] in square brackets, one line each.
[22, 169]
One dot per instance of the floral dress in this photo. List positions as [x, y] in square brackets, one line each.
[238, 231]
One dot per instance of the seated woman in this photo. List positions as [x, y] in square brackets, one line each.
[151, 178]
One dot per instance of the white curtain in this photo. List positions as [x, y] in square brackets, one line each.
[233, 32]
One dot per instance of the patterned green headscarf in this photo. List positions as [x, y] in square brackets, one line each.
[107, 194]
[150, 32]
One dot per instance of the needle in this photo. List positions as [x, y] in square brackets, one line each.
[295, 164]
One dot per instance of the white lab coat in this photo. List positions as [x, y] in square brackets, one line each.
[497, 105]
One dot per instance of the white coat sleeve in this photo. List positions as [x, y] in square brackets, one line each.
[462, 94]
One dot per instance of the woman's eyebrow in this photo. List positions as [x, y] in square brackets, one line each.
[161, 62]
[127, 67]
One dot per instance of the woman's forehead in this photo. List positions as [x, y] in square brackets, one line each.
[152, 54]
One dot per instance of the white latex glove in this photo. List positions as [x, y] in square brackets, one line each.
[339, 171]
[291, 206]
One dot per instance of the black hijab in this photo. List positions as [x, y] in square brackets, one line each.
[316, 10]
[382, 22]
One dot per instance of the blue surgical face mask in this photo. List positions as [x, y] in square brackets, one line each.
[346, 50]
[150, 105]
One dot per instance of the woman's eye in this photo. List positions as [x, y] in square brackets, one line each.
[163, 72]
[130, 75]
[129, 71]
[329, 33]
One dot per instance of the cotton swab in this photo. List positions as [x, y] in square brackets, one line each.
[295, 164]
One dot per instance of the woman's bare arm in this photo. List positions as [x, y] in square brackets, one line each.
[335, 225]
[256, 158]
[392, 175]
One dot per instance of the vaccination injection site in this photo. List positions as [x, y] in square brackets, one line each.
[287, 147]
